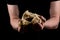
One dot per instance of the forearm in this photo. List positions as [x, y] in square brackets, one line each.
[13, 11]
[52, 23]
[54, 16]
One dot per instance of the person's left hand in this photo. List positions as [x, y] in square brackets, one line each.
[42, 23]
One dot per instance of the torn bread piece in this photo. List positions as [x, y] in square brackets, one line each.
[29, 17]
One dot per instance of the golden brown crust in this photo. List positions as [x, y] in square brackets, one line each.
[33, 17]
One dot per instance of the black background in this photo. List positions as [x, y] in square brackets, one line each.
[6, 29]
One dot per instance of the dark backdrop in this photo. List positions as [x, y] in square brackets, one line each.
[5, 27]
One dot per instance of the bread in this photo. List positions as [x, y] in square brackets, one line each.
[29, 17]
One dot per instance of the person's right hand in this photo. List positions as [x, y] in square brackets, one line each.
[42, 23]
[15, 24]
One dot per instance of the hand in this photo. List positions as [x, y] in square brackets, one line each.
[42, 23]
[15, 24]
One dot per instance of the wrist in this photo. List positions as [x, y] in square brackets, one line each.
[12, 18]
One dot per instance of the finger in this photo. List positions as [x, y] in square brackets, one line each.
[19, 29]
[15, 28]
[19, 24]
[44, 19]
[41, 26]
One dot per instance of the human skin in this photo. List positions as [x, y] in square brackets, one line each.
[59, 12]
[53, 22]
[14, 16]
[49, 24]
